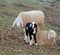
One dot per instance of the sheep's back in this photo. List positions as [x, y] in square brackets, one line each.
[34, 16]
[42, 38]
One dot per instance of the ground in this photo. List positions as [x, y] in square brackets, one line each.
[11, 39]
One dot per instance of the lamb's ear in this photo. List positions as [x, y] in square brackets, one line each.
[30, 25]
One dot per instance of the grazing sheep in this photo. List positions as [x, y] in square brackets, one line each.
[31, 31]
[45, 37]
[29, 16]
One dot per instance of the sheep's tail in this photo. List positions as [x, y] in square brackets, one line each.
[14, 23]
[18, 21]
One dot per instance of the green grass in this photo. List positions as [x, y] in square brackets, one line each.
[8, 13]
[49, 26]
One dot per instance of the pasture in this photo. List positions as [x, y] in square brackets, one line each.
[11, 39]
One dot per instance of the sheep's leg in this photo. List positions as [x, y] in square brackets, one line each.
[26, 35]
[54, 40]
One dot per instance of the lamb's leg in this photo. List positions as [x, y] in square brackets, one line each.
[28, 38]
[31, 42]
[35, 40]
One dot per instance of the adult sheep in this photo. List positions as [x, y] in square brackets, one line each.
[45, 37]
[30, 16]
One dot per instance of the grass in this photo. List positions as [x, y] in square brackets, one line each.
[49, 26]
[11, 44]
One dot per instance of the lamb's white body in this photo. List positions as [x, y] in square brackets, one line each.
[30, 16]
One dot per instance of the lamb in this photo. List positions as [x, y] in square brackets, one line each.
[30, 16]
[31, 31]
[45, 37]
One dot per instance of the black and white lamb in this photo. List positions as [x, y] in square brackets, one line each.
[31, 31]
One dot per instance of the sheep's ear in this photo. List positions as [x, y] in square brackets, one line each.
[48, 34]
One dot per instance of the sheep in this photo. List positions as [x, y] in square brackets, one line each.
[31, 31]
[30, 16]
[45, 37]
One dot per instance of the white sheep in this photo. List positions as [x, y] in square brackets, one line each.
[45, 37]
[30, 16]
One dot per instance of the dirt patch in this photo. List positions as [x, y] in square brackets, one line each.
[11, 42]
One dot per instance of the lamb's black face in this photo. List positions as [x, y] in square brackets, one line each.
[34, 25]
[31, 27]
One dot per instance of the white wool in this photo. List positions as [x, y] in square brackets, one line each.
[54, 35]
[45, 37]
[30, 16]
[35, 12]
[24, 34]
[52, 31]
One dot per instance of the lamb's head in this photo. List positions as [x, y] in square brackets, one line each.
[34, 24]
[34, 27]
